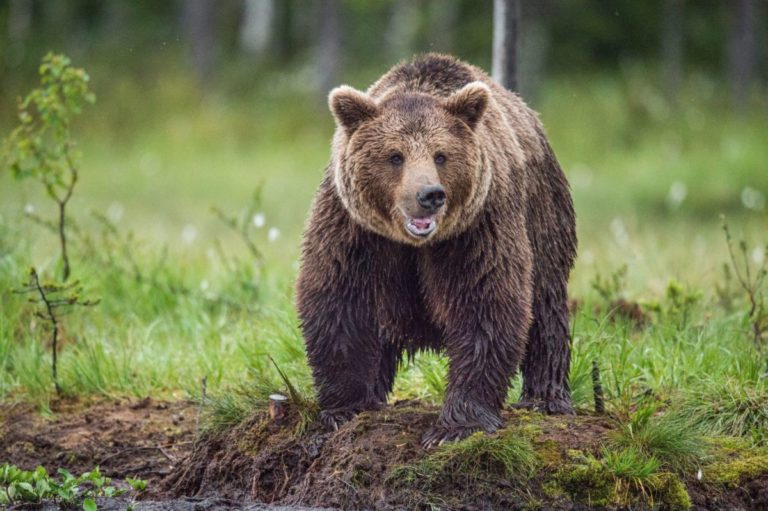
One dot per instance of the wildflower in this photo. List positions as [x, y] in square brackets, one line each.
[677, 193]
[752, 199]
[758, 255]
[188, 234]
[619, 231]
[115, 212]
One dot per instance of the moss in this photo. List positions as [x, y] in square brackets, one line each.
[670, 493]
[594, 483]
[533, 504]
[552, 489]
[590, 482]
[732, 472]
[574, 454]
[549, 452]
[734, 460]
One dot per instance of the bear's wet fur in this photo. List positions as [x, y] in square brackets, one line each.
[482, 277]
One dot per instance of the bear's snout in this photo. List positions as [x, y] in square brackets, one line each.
[431, 198]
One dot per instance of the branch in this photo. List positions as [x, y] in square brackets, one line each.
[51, 316]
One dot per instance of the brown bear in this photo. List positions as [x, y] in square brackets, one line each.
[443, 222]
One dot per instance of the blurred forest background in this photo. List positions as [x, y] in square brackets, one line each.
[656, 109]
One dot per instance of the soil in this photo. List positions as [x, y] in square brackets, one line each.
[270, 461]
[144, 439]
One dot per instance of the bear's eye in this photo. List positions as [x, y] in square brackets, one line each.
[396, 159]
[440, 158]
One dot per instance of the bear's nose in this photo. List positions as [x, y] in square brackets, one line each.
[431, 197]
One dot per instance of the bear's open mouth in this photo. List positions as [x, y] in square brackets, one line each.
[420, 227]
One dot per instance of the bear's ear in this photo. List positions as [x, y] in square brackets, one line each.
[469, 103]
[351, 107]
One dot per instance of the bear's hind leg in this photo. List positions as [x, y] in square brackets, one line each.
[547, 360]
[551, 226]
[390, 359]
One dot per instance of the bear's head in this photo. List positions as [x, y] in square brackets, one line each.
[408, 166]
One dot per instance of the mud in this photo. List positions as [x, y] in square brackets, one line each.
[353, 468]
[144, 438]
[188, 504]
[267, 464]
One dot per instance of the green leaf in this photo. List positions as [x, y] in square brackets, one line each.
[89, 505]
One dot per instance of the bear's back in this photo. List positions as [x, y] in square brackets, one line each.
[432, 73]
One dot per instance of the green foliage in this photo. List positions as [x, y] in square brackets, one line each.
[613, 287]
[138, 485]
[52, 301]
[621, 477]
[752, 278]
[19, 487]
[508, 454]
[669, 440]
[42, 147]
[734, 460]
[679, 304]
[732, 406]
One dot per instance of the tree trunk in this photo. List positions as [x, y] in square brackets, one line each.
[741, 51]
[672, 48]
[506, 16]
[256, 27]
[403, 26]
[199, 22]
[19, 20]
[443, 19]
[328, 46]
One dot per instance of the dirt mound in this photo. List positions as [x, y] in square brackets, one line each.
[371, 462]
[376, 462]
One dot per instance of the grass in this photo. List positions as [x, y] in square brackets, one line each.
[729, 407]
[669, 441]
[622, 478]
[480, 458]
[183, 299]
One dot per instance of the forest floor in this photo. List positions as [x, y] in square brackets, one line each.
[373, 462]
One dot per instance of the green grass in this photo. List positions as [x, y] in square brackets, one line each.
[670, 441]
[622, 478]
[728, 407]
[480, 458]
[201, 307]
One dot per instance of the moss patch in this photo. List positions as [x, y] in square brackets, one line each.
[589, 482]
[621, 479]
[732, 460]
[670, 493]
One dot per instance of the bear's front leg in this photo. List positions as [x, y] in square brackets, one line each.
[483, 356]
[344, 352]
[484, 305]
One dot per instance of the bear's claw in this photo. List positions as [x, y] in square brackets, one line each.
[547, 406]
[332, 419]
[438, 435]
